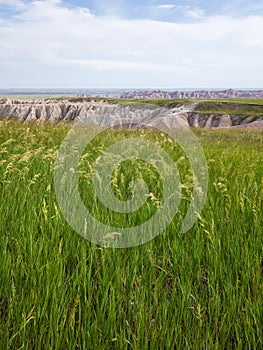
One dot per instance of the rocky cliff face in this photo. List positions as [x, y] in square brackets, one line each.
[114, 115]
[46, 110]
[223, 121]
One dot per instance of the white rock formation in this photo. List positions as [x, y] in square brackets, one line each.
[106, 114]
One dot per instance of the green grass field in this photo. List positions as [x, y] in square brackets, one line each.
[198, 290]
[231, 108]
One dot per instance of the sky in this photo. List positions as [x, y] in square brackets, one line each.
[131, 44]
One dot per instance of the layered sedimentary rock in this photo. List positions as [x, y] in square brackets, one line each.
[45, 110]
[223, 121]
[105, 114]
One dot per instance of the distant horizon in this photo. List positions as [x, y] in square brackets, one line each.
[128, 88]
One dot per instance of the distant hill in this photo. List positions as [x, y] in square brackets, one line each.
[230, 93]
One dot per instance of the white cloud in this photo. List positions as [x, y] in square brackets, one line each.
[48, 44]
[166, 6]
[194, 12]
[17, 4]
[187, 11]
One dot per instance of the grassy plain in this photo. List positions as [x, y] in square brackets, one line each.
[230, 108]
[199, 290]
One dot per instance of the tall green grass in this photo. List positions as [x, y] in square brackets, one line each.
[199, 290]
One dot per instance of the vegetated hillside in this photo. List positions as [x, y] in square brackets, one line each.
[224, 107]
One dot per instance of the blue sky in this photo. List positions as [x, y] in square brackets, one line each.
[176, 10]
[124, 43]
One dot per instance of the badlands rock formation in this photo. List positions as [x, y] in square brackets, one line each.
[106, 114]
[230, 93]
[223, 121]
[45, 110]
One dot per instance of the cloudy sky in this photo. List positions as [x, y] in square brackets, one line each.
[131, 43]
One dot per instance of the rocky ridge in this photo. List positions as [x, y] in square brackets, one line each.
[46, 109]
[106, 114]
[229, 93]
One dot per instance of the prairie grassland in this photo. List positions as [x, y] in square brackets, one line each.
[226, 104]
[199, 290]
[231, 108]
